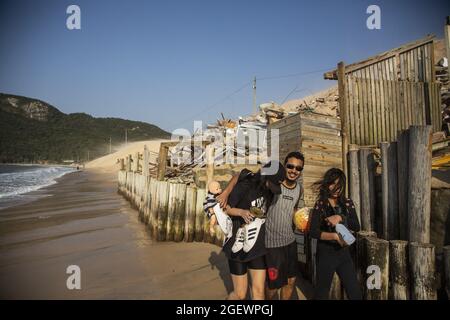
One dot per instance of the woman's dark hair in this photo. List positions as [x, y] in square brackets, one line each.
[267, 194]
[322, 186]
[294, 154]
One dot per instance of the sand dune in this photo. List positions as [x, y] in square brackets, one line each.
[110, 163]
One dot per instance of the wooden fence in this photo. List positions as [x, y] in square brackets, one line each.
[387, 93]
[171, 211]
[378, 109]
[402, 252]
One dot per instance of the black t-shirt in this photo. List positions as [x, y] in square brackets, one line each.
[246, 194]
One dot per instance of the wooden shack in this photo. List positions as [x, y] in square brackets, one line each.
[317, 137]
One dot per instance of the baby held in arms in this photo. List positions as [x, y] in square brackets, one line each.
[214, 212]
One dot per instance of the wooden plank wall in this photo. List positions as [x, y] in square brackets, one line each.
[392, 94]
[378, 109]
[289, 136]
[321, 144]
[318, 138]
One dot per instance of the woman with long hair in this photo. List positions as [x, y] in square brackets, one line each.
[333, 255]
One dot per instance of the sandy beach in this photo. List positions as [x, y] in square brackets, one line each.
[83, 221]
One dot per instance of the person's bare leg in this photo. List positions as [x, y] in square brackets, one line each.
[286, 291]
[270, 293]
[240, 284]
[258, 283]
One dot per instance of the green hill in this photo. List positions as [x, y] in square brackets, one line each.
[34, 131]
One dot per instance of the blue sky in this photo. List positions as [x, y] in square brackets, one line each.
[172, 62]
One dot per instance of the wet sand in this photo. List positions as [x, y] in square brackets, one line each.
[84, 222]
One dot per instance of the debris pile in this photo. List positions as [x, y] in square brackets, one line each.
[242, 140]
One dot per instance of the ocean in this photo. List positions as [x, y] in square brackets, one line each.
[16, 181]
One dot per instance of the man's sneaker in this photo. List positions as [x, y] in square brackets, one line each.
[240, 238]
[252, 233]
[223, 220]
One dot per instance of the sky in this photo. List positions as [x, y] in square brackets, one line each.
[172, 62]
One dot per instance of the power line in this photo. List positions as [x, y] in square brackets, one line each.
[294, 90]
[215, 104]
[293, 74]
[209, 108]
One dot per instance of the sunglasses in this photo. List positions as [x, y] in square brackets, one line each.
[291, 166]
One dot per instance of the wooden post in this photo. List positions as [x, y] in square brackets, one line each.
[361, 256]
[446, 253]
[142, 196]
[178, 213]
[209, 152]
[398, 270]
[176, 207]
[162, 159]
[147, 199]
[377, 254]
[129, 163]
[199, 215]
[354, 184]
[367, 168]
[148, 207]
[403, 171]
[419, 186]
[154, 204]
[122, 164]
[189, 226]
[343, 113]
[422, 264]
[136, 162]
[162, 207]
[389, 190]
[145, 171]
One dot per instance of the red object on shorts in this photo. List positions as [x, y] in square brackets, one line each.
[273, 273]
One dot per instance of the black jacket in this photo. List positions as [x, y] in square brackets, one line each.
[323, 210]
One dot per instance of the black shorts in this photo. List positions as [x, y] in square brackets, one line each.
[240, 268]
[282, 264]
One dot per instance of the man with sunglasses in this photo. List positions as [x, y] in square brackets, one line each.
[281, 257]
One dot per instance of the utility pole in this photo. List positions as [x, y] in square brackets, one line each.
[447, 40]
[109, 145]
[254, 95]
[88, 155]
[126, 137]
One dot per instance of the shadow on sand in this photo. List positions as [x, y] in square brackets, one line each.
[219, 261]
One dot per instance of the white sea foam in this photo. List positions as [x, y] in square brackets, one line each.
[24, 179]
